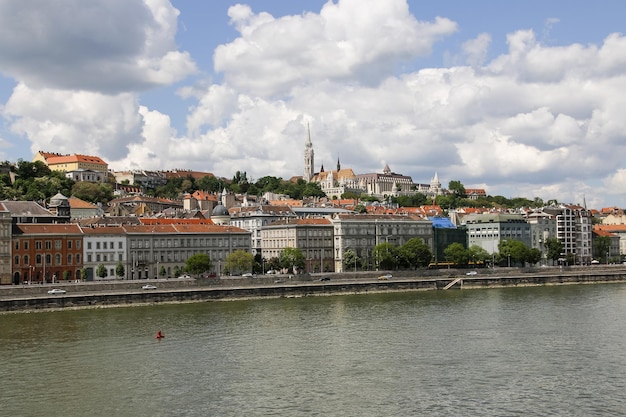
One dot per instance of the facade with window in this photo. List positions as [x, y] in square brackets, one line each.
[314, 237]
[104, 251]
[47, 252]
[362, 232]
[255, 218]
[159, 250]
[488, 229]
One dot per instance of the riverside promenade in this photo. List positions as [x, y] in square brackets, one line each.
[102, 294]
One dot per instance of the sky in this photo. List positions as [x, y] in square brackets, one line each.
[523, 99]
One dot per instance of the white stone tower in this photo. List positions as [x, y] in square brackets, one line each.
[309, 160]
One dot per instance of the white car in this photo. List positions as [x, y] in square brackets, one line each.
[184, 276]
[149, 287]
[471, 273]
[56, 291]
[248, 275]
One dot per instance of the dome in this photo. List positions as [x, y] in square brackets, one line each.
[220, 210]
[59, 200]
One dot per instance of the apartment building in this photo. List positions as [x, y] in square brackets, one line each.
[47, 252]
[314, 237]
[362, 232]
[254, 219]
[488, 229]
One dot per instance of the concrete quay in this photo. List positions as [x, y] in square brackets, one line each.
[127, 293]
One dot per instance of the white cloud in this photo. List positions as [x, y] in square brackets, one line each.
[535, 115]
[353, 40]
[108, 46]
[74, 121]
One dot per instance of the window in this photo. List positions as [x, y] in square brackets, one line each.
[17, 245]
[98, 257]
[48, 259]
[78, 258]
[69, 258]
[25, 244]
[88, 258]
[97, 245]
[88, 245]
[104, 245]
[119, 245]
[57, 259]
[78, 244]
[26, 260]
[38, 259]
[38, 245]
[17, 260]
[58, 244]
[48, 244]
[69, 244]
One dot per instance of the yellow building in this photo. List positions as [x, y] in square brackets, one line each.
[68, 163]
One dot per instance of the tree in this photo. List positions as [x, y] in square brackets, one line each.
[415, 253]
[101, 271]
[601, 247]
[84, 274]
[198, 263]
[554, 248]
[120, 271]
[351, 261]
[456, 188]
[513, 251]
[478, 254]
[177, 271]
[162, 271]
[457, 254]
[292, 259]
[273, 264]
[239, 261]
[534, 256]
[385, 255]
[92, 192]
[210, 183]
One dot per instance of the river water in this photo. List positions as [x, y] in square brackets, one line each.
[542, 351]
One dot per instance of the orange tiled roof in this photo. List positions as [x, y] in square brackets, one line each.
[48, 229]
[77, 203]
[65, 159]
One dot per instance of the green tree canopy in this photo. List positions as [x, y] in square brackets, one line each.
[554, 248]
[198, 263]
[385, 255]
[351, 261]
[239, 261]
[457, 254]
[415, 253]
[101, 271]
[478, 254]
[120, 271]
[292, 259]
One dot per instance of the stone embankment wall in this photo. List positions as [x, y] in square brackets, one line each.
[104, 294]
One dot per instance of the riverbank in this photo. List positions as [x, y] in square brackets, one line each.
[130, 293]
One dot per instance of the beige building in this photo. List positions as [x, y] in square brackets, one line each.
[69, 163]
[314, 237]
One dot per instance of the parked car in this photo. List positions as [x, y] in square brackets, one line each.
[149, 287]
[325, 279]
[184, 276]
[56, 291]
[385, 277]
[471, 273]
[248, 275]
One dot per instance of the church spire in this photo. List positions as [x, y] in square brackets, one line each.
[309, 159]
